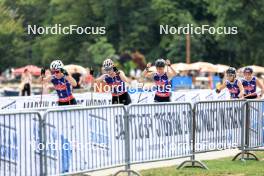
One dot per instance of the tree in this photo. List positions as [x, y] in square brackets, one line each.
[12, 46]
[245, 47]
[93, 54]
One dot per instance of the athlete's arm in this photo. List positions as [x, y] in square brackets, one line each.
[68, 77]
[71, 80]
[123, 77]
[100, 79]
[174, 73]
[221, 87]
[146, 72]
[260, 85]
[241, 88]
[44, 79]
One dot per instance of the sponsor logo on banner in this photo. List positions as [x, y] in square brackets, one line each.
[30, 102]
[220, 124]
[98, 99]
[156, 134]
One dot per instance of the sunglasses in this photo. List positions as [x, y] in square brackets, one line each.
[230, 75]
[108, 70]
[55, 71]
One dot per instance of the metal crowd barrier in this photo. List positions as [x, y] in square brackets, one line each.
[19, 138]
[217, 126]
[253, 123]
[158, 132]
[75, 140]
[86, 139]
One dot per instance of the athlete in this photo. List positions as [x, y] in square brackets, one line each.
[62, 82]
[161, 79]
[115, 79]
[250, 84]
[234, 86]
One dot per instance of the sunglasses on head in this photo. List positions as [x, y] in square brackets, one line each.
[55, 71]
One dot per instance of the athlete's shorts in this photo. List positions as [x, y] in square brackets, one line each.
[251, 97]
[71, 102]
[161, 99]
[121, 99]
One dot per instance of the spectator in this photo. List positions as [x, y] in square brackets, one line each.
[26, 81]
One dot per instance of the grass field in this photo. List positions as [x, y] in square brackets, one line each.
[216, 168]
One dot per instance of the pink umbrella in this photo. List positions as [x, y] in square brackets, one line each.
[34, 70]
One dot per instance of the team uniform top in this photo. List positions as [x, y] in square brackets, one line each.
[163, 85]
[63, 89]
[233, 88]
[118, 82]
[249, 86]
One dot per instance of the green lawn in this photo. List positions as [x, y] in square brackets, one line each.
[216, 168]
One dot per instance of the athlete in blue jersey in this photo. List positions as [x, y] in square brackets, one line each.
[115, 80]
[62, 82]
[161, 79]
[232, 84]
[250, 84]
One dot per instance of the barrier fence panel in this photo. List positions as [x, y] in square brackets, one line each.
[253, 130]
[72, 140]
[255, 127]
[19, 134]
[159, 131]
[218, 125]
[84, 139]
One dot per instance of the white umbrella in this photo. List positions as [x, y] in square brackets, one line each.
[184, 67]
[75, 69]
[205, 66]
[256, 68]
[221, 68]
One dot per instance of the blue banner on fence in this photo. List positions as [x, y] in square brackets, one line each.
[66, 154]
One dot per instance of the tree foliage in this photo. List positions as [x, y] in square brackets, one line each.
[130, 25]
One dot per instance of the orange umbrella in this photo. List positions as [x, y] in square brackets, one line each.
[31, 68]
